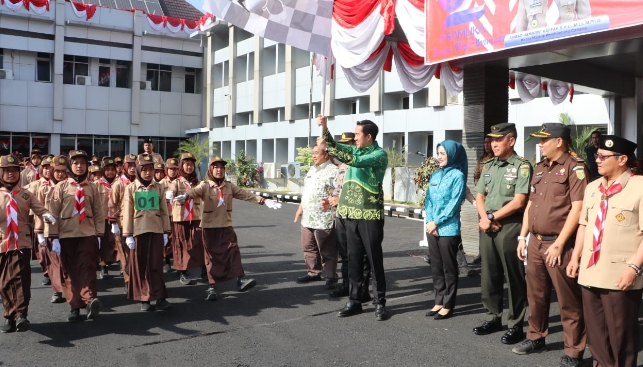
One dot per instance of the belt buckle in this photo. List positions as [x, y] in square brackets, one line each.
[539, 237]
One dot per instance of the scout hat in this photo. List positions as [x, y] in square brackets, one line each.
[159, 166]
[95, 160]
[108, 161]
[144, 160]
[186, 156]
[347, 138]
[500, 130]
[553, 130]
[35, 152]
[217, 159]
[60, 162]
[616, 144]
[9, 161]
[47, 160]
[148, 141]
[130, 158]
[118, 160]
[94, 169]
[77, 153]
[172, 163]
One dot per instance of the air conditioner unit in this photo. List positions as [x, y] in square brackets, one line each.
[83, 80]
[6, 74]
[269, 170]
[146, 85]
[293, 170]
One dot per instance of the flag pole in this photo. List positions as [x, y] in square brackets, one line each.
[310, 98]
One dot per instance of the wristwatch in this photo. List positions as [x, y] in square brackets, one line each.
[638, 270]
[522, 238]
[490, 216]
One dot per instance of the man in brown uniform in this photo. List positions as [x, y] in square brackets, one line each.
[148, 148]
[608, 255]
[551, 217]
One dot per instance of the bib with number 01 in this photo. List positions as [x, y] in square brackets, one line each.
[146, 200]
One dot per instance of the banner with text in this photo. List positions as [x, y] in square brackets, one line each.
[460, 28]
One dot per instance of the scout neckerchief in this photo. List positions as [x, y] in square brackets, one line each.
[11, 213]
[108, 187]
[125, 180]
[36, 176]
[79, 200]
[600, 220]
[220, 189]
[188, 211]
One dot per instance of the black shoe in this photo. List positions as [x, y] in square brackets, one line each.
[162, 304]
[439, 316]
[380, 313]
[567, 361]
[341, 291]
[9, 326]
[185, 280]
[351, 308]
[244, 284]
[211, 293]
[528, 346]
[331, 284]
[22, 324]
[167, 268]
[431, 313]
[57, 297]
[309, 278]
[74, 315]
[93, 309]
[146, 306]
[513, 335]
[46, 280]
[486, 328]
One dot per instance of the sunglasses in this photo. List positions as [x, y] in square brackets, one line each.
[602, 157]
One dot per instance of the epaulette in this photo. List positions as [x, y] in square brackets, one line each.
[522, 158]
[488, 160]
[576, 156]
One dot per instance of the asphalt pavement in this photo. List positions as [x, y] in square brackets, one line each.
[279, 322]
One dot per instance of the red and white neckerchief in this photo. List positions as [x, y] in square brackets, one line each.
[36, 176]
[220, 189]
[79, 200]
[11, 212]
[108, 187]
[600, 220]
[188, 210]
[125, 180]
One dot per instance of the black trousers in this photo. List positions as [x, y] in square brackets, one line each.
[443, 252]
[342, 248]
[365, 237]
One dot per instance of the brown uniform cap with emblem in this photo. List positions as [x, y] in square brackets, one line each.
[188, 156]
[47, 160]
[108, 161]
[347, 138]
[500, 130]
[118, 160]
[217, 159]
[172, 163]
[130, 158]
[553, 130]
[148, 141]
[94, 169]
[617, 145]
[35, 152]
[159, 166]
[77, 153]
[60, 162]
[144, 160]
[9, 161]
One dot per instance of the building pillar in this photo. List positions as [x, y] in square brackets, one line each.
[137, 77]
[291, 87]
[375, 94]
[208, 75]
[59, 54]
[232, 78]
[257, 115]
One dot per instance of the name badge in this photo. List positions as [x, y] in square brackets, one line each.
[146, 200]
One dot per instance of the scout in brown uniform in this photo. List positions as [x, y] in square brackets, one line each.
[94, 174]
[30, 172]
[146, 225]
[108, 253]
[148, 148]
[45, 195]
[39, 246]
[119, 166]
[159, 172]
[222, 255]
[15, 245]
[551, 217]
[608, 255]
[186, 217]
[76, 236]
[171, 174]
[115, 202]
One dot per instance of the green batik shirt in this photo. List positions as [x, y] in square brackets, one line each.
[362, 196]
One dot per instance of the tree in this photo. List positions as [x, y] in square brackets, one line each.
[423, 175]
[246, 168]
[200, 149]
[395, 159]
[582, 139]
[305, 158]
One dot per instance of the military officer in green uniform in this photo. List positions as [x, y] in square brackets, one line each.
[502, 194]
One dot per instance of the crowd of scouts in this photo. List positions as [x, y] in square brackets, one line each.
[76, 215]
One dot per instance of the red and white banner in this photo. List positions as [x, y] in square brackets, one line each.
[175, 25]
[81, 10]
[37, 6]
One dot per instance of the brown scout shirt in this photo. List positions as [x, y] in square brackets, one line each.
[554, 186]
[622, 234]
[166, 183]
[179, 187]
[62, 208]
[25, 201]
[137, 222]
[27, 175]
[116, 199]
[220, 217]
[34, 188]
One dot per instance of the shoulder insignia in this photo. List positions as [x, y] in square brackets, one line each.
[580, 174]
[578, 168]
[488, 160]
[579, 159]
[25, 196]
[522, 158]
[524, 170]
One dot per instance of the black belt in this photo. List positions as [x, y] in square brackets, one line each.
[546, 238]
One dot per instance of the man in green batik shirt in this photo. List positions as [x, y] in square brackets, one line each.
[361, 210]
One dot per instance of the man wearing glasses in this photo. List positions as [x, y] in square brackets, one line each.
[608, 255]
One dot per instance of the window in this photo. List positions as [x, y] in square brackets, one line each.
[43, 67]
[102, 146]
[1, 58]
[74, 66]
[122, 74]
[117, 148]
[354, 107]
[104, 72]
[22, 143]
[160, 76]
[190, 80]
[405, 103]
[165, 147]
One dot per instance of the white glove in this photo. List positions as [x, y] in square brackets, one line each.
[129, 241]
[41, 239]
[165, 238]
[56, 246]
[169, 196]
[49, 218]
[272, 204]
[181, 198]
[98, 242]
[115, 230]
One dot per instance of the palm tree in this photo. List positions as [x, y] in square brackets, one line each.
[395, 159]
[200, 149]
[582, 139]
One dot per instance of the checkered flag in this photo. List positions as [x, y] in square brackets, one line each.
[304, 24]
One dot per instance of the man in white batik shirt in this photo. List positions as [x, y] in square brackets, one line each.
[318, 239]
